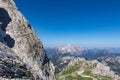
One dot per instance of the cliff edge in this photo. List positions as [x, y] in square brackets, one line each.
[17, 35]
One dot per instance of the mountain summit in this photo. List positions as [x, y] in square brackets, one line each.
[70, 48]
[21, 52]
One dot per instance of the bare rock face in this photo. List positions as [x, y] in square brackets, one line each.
[11, 66]
[17, 34]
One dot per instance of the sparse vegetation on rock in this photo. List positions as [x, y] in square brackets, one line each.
[81, 69]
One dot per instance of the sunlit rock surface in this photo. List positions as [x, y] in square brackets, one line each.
[17, 34]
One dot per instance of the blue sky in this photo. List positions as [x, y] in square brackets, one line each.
[89, 23]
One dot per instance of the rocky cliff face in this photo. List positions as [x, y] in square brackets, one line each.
[17, 34]
[11, 66]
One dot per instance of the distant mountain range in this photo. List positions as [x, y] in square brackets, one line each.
[77, 51]
[61, 56]
[71, 49]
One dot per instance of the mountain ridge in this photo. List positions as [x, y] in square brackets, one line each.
[81, 69]
[107, 56]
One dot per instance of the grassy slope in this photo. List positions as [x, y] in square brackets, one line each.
[70, 72]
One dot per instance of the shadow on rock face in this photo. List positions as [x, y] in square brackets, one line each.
[4, 21]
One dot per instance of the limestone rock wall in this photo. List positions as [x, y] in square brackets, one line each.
[19, 36]
[11, 66]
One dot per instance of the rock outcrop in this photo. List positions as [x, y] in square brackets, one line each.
[18, 36]
[11, 66]
[81, 69]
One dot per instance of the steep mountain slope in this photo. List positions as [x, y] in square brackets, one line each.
[17, 34]
[80, 69]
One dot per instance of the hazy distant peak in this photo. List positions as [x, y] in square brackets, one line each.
[70, 48]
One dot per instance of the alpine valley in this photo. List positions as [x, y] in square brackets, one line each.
[23, 57]
[75, 63]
